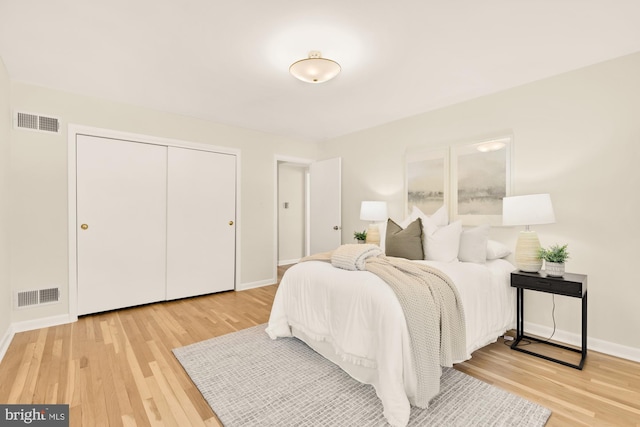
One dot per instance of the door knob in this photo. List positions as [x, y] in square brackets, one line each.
[230, 222]
[335, 227]
[84, 226]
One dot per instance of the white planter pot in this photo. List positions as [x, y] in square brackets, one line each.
[555, 269]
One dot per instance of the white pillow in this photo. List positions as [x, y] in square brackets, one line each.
[442, 243]
[473, 244]
[415, 214]
[496, 250]
[439, 218]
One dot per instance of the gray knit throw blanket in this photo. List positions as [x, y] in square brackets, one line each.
[431, 305]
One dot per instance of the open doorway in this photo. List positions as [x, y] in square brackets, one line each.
[306, 223]
[292, 211]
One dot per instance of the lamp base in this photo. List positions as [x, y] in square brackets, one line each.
[526, 254]
[373, 234]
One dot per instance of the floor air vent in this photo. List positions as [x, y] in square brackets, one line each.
[37, 297]
[36, 122]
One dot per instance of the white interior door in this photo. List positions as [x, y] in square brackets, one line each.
[325, 219]
[121, 220]
[201, 229]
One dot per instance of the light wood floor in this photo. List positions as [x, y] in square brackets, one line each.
[117, 368]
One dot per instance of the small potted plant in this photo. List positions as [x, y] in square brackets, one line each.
[554, 258]
[360, 236]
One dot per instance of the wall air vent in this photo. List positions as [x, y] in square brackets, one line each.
[36, 122]
[36, 297]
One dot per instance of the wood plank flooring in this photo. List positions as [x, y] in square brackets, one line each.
[117, 369]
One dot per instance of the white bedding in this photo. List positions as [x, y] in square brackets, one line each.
[354, 319]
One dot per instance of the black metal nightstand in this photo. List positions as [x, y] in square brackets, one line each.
[572, 285]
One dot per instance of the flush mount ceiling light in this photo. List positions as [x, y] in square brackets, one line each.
[315, 69]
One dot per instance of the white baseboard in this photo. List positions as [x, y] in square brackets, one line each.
[45, 322]
[29, 325]
[595, 344]
[288, 261]
[5, 341]
[258, 284]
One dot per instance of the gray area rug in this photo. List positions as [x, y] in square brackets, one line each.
[251, 380]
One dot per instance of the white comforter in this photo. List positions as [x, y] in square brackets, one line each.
[354, 319]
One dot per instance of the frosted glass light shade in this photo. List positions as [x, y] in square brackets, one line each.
[315, 69]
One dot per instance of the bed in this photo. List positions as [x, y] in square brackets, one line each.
[354, 319]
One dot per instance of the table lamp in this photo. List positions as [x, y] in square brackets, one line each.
[374, 212]
[527, 210]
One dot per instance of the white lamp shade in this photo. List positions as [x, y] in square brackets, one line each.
[527, 210]
[373, 211]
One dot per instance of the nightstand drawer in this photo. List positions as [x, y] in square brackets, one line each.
[573, 285]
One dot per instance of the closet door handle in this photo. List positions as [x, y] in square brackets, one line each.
[230, 222]
[84, 226]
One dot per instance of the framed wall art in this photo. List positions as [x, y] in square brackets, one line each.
[481, 175]
[427, 180]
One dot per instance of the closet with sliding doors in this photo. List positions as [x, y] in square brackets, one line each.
[155, 222]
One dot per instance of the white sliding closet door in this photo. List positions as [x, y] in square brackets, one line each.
[121, 220]
[201, 222]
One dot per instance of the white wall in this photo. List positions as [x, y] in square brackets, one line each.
[291, 220]
[577, 136]
[5, 285]
[39, 242]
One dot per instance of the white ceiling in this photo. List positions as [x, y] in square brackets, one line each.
[227, 61]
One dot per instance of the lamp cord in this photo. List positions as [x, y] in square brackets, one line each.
[553, 317]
